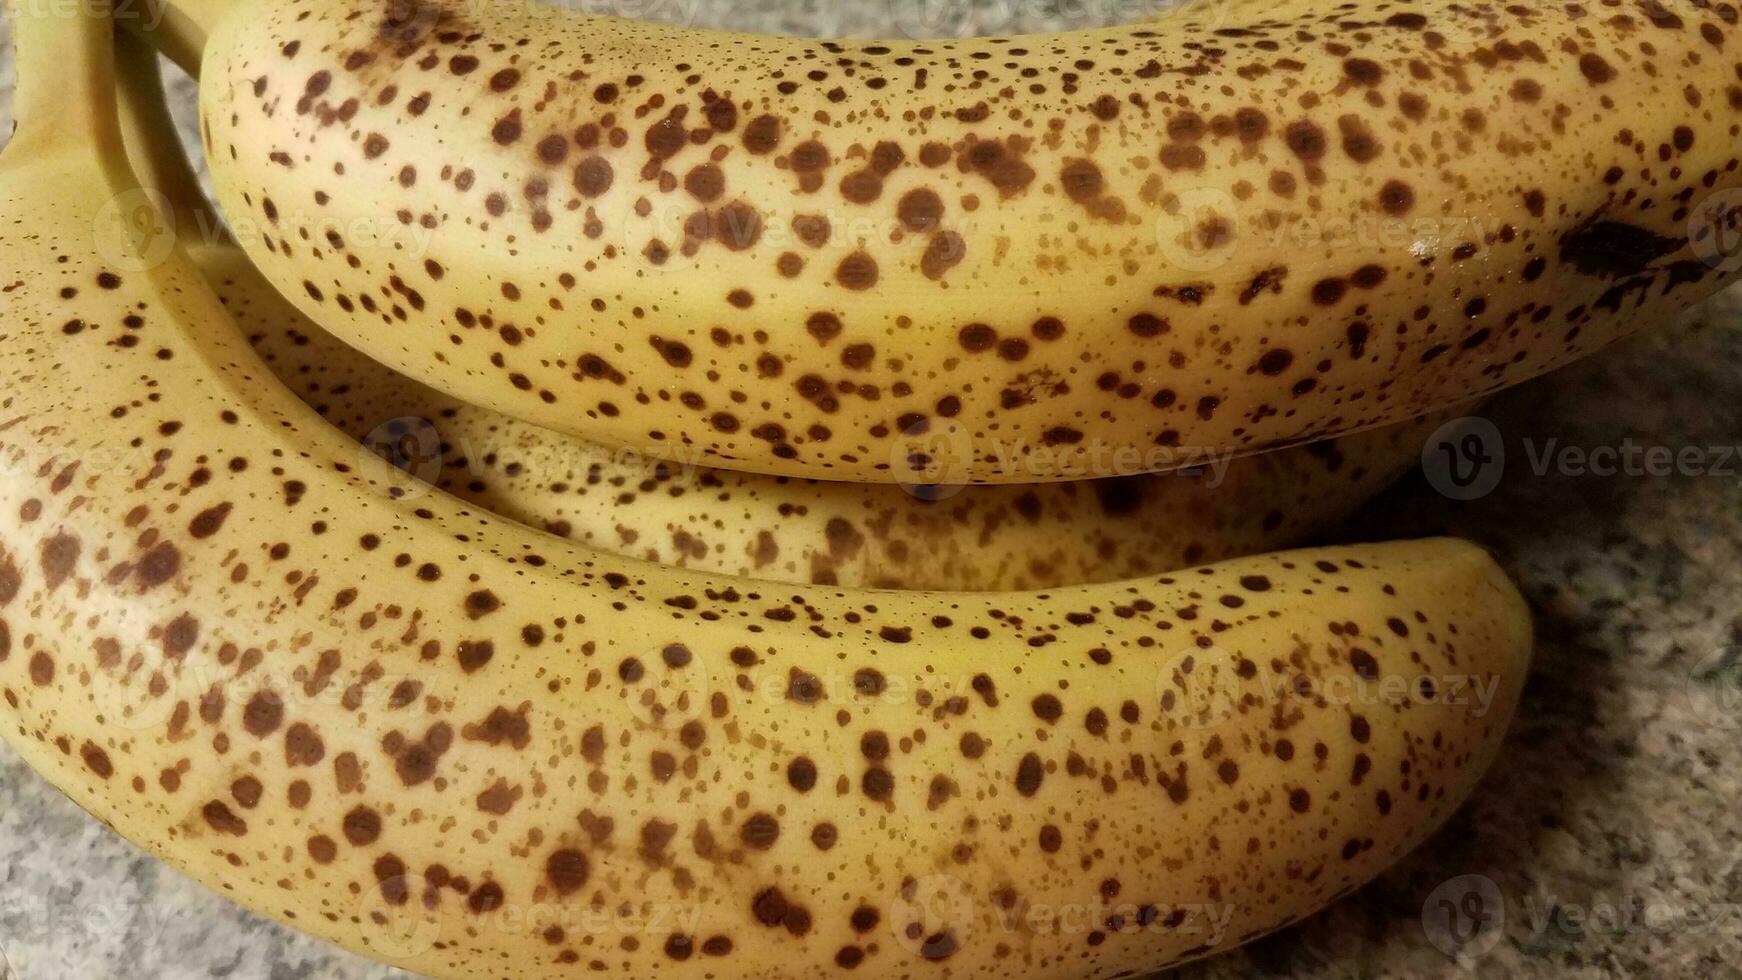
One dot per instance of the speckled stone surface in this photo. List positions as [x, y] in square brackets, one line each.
[1605, 843]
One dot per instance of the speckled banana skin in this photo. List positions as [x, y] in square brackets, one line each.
[954, 538]
[1017, 259]
[972, 538]
[476, 750]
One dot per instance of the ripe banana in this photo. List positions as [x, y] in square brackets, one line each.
[474, 750]
[982, 538]
[1012, 259]
[970, 538]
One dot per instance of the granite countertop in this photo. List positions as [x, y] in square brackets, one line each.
[1604, 843]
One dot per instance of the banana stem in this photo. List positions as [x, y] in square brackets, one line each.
[178, 28]
[65, 92]
[153, 146]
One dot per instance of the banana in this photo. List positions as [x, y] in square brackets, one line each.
[977, 538]
[982, 538]
[965, 538]
[1003, 260]
[471, 749]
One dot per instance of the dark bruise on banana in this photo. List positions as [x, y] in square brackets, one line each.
[1237, 227]
[475, 750]
[787, 529]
